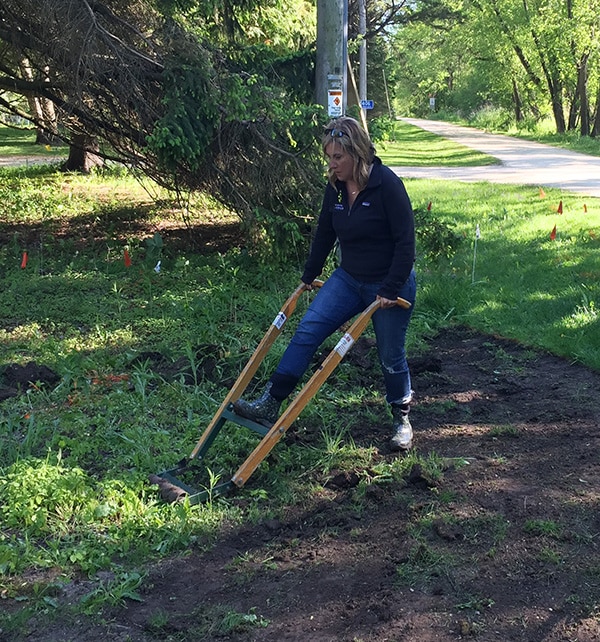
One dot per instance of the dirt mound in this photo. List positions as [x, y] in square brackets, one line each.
[16, 379]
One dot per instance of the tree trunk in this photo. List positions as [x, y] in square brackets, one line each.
[596, 120]
[35, 107]
[517, 102]
[82, 155]
[41, 109]
[550, 68]
[50, 133]
[557, 105]
[584, 107]
[573, 113]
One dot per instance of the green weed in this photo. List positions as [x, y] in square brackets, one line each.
[544, 527]
[489, 530]
[439, 407]
[221, 621]
[475, 604]
[233, 622]
[549, 556]
[424, 564]
[158, 622]
[504, 431]
[112, 593]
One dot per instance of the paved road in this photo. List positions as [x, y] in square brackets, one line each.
[522, 162]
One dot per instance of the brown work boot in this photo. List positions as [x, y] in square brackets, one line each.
[264, 410]
[403, 433]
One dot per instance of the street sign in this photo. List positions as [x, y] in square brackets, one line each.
[367, 104]
[334, 103]
[335, 95]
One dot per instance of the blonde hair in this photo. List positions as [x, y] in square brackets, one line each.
[348, 133]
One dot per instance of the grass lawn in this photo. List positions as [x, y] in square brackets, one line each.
[21, 142]
[413, 146]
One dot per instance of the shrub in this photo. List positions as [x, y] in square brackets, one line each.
[436, 239]
[37, 495]
[491, 118]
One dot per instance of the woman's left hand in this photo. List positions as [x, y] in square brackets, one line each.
[387, 303]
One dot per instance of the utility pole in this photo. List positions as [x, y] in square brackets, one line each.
[362, 55]
[332, 52]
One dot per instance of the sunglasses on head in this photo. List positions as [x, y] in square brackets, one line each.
[336, 133]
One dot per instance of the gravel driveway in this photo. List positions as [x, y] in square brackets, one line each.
[522, 162]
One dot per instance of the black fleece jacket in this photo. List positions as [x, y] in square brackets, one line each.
[376, 235]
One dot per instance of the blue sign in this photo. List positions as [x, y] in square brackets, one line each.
[367, 104]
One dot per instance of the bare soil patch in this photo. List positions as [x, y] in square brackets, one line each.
[88, 232]
[506, 546]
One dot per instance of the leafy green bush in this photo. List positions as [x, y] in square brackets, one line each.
[183, 134]
[382, 128]
[254, 145]
[436, 239]
[39, 497]
[491, 118]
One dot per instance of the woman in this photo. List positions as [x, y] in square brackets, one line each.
[367, 209]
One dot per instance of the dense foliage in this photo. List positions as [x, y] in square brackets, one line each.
[175, 95]
[529, 60]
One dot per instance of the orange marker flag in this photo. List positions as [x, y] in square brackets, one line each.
[126, 258]
[542, 193]
[560, 209]
[429, 206]
[24, 261]
[584, 208]
[553, 233]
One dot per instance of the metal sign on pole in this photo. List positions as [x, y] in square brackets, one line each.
[335, 95]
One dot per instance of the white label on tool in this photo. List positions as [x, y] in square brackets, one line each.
[280, 319]
[344, 344]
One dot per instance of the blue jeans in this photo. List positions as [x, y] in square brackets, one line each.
[340, 299]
